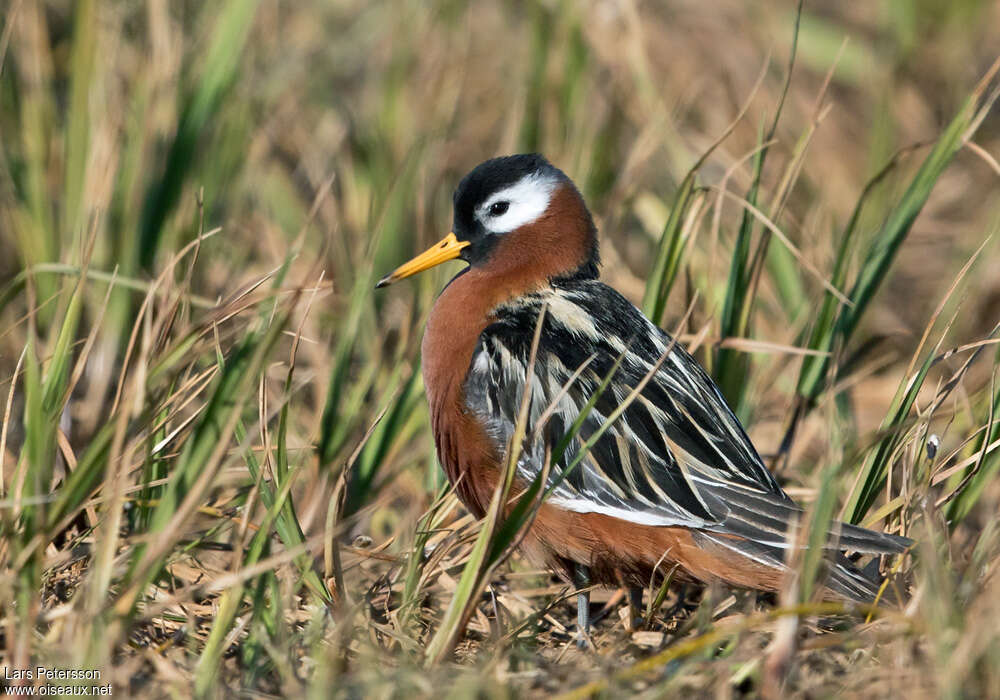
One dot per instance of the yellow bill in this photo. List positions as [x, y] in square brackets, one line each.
[448, 248]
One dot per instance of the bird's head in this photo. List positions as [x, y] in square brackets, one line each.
[515, 214]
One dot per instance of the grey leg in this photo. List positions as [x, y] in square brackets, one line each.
[635, 605]
[581, 579]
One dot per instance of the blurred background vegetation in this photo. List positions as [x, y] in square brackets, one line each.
[215, 467]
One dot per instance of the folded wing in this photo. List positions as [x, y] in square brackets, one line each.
[676, 456]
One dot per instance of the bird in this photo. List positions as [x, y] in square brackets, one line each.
[670, 482]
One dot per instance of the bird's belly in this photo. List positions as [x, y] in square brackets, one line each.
[625, 553]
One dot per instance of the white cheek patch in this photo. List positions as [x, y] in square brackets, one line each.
[529, 197]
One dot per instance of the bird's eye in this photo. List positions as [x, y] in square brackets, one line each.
[499, 208]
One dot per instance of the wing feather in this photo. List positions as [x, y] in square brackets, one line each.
[677, 455]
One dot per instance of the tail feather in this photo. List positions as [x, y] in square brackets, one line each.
[850, 582]
[861, 539]
[766, 518]
[757, 528]
[843, 578]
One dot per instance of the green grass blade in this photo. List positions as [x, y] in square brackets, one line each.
[541, 38]
[884, 247]
[335, 429]
[389, 431]
[975, 483]
[483, 558]
[872, 476]
[730, 366]
[232, 598]
[821, 517]
[822, 336]
[218, 71]
[82, 62]
[203, 452]
[878, 258]
[669, 254]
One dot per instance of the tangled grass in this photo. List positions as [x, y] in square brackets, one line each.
[216, 473]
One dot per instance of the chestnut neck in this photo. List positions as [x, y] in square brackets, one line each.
[561, 243]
